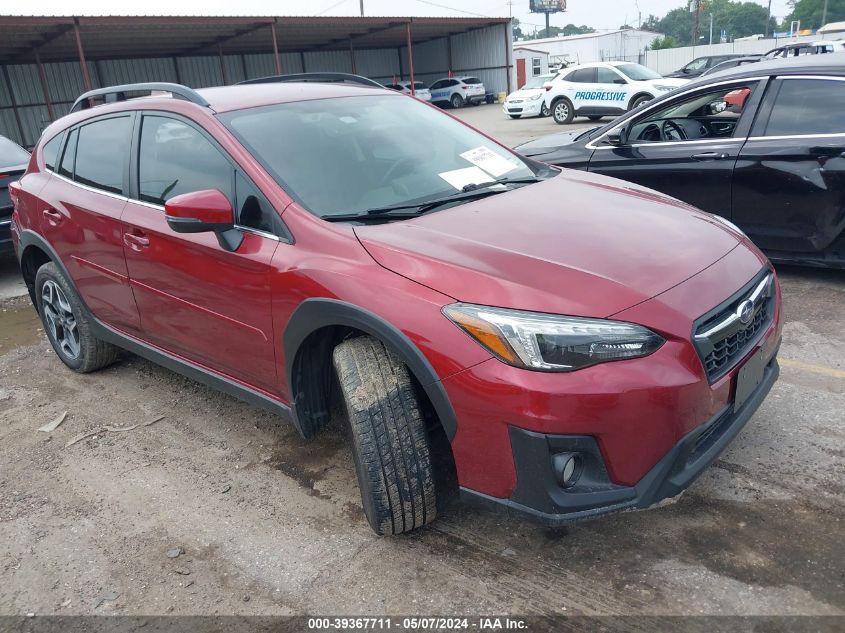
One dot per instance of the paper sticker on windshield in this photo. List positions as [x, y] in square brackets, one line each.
[489, 161]
[460, 178]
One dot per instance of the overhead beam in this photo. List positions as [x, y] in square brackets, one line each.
[219, 41]
[22, 52]
[357, 36]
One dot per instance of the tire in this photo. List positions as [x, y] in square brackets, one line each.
[595, 118]
[68, 324]
[457, 101]
[514, 116]
[544, 111]
[389, 440]
[636, 103]
[562, 111]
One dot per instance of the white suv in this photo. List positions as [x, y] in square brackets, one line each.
[420, 89]
[457, 91]
[604, 89]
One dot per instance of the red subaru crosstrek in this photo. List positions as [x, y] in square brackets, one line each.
[566, 344]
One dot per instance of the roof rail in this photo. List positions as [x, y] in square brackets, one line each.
[118, 93]
[314, 78]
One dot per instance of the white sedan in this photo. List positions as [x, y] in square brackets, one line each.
[529, 100]
[604, 89]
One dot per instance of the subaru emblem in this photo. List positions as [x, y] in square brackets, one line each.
[745, 312]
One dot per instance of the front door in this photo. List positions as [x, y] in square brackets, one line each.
[196, 299]
[83, 202]
[789, 185]
[687, 147]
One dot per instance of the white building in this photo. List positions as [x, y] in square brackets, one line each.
[528, 62]
[622, 44]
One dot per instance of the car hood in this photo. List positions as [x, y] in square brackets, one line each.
[675, 82]
[577, 244]
[547, 144]
[524, 94]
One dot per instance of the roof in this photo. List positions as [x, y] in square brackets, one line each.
[112, 37]
[832, 27]
[582, 36]
[808, 64]
[525, 48]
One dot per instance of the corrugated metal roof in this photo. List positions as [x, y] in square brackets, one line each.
[111, 37]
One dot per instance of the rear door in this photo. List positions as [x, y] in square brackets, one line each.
[789, 184]
[197, 300]
[81, 215]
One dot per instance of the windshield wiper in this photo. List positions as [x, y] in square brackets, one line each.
[469, 192]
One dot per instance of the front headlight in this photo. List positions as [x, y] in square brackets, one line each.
[547, 342]
[539, 95]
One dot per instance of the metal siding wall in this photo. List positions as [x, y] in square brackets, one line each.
[199, 72]
[479, 49]
[381, 65]
[328, 61]
[234, 68]
[9, 126]
[114, 72]
[33, 119]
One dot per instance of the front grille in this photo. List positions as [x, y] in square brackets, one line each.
[721, 337]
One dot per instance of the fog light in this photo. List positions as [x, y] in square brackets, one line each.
[567, 467]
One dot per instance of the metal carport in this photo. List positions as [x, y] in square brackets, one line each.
[46, 62]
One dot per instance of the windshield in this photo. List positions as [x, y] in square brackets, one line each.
[12, 154]
[537, 82]
[635, 72]
[350, 154]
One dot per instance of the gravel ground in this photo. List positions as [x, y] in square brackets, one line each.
[219, 508]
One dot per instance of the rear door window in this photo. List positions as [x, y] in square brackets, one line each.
[808, 106]
[101, 153]
[175, 158]
[583, 76]
[69, 156]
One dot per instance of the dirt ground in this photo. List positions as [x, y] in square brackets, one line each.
[265, 523]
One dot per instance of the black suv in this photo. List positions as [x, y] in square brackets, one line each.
[700, 65]
[762, 145]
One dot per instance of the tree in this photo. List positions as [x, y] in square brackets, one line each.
[666, 41]
[809, 12]
[517, 30]
[737, 19]
[625, 26]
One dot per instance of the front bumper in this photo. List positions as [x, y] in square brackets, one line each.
[539, 494]
[524, 108]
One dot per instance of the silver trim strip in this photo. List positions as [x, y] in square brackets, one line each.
[732, 318]
[647, 108]
[786, 137]
[158, 207]
[5, 222]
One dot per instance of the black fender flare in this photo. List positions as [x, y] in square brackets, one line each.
[28, 238]
[316, 313]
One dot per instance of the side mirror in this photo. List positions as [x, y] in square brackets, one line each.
[618, 137]
[204, 212]
[620, 81]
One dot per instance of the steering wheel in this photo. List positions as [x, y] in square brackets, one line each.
[673, 132]
[395, 168]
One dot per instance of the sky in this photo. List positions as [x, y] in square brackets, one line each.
[600, 14]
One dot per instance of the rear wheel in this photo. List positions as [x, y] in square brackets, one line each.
[562, 111]
[389, 440]
[457, 101]
[67, 323]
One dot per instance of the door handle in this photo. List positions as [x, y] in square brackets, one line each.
[710, 156]
[53, 217]
[136, 241]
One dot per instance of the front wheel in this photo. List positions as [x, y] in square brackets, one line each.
[562, 111]
[544, 111]
[389, 439]
[636, 103]
[457, 101]
[67, 323]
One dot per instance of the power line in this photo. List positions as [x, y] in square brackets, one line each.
[336, 4]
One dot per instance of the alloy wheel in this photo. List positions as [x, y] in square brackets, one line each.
[562, 111]
[60, 319]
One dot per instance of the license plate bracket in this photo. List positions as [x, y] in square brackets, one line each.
[749, 378]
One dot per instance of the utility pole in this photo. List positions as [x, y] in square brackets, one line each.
[711, 29]
[362, 8]
[696, 6]
[769, 18]
[824, 13]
